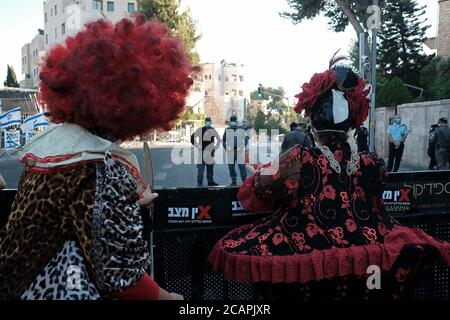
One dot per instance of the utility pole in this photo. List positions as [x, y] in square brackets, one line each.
[372, 118]
[362, 55]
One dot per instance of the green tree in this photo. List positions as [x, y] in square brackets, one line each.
[353, 53]
[181, 24]
[259, 122]
[401, 41]
[428, 76]
[279, 113]
[392, 93]
[189, 115]
[442, 84]
[340, 13]
[11, 79]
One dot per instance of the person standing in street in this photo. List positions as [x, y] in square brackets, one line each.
[361, 135]
[441, 142]
[310, 135]
[431, 149]
[297, 135]
[207, 140]
[235, 141]
[397, 134]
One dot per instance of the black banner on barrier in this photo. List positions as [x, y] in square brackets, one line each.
[397, 199]
[200, 207]
[426, 192]
[405, 194]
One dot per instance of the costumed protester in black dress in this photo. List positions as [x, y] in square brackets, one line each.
[329, 225]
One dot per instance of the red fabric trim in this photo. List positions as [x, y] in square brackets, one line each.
[43, 170]
[144, 289]
[48, 159]
[53, 159]
[321, 264]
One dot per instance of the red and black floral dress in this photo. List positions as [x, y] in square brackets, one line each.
[328, 227]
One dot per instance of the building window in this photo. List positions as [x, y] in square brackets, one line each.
[63, 28]
[110, 6]
[210, 77]
[233, 93]
[46, 39]
[56, 33]
[227, 79]
[206, 77]
[97, 5]
[45, 17]
[241, 93]
[241, 78]
[56, 10]
[220, 78]
[51, 11]
[234, 78]
[131, 7]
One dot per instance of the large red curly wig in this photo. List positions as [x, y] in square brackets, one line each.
[118, 81]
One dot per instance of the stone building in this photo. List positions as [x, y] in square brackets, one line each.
[441, 43]
[225, 91]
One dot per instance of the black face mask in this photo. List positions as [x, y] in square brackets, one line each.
[322, 115]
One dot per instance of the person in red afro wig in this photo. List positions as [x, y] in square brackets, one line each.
[117, 81]
[106, 84]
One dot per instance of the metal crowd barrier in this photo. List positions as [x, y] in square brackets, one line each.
[188, 222]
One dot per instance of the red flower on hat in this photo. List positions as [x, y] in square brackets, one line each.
[358, 103]
[312, 90]
[320, 83]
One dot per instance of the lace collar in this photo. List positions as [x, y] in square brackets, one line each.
[334, 164]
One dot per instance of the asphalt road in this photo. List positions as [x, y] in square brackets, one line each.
[167, 171]
[167, 174]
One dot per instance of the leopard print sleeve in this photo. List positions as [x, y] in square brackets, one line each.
[119, 252]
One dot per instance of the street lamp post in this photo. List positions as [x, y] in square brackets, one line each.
[372, 118]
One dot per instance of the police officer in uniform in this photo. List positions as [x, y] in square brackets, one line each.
[441, 141]
[431, 150]
[361, 135]
[235, 141]
[207, 140]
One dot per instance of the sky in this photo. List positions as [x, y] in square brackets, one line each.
[273, 50]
